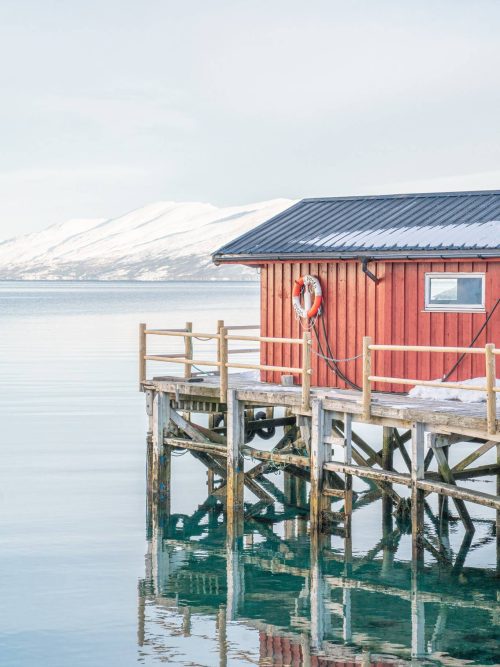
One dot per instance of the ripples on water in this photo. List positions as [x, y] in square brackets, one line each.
[76, 588]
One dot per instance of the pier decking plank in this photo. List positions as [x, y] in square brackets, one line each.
[398, 410]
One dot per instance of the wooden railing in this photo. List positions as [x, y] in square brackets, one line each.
[489, 388]
[223, 362]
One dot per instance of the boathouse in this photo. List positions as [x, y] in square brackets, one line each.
[409, 269]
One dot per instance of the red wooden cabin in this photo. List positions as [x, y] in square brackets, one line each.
[416, 269]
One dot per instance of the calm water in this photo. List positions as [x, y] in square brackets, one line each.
[89, 577]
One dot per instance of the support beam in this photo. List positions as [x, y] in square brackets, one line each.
[400, 441]
[447, 476]
[465, 463]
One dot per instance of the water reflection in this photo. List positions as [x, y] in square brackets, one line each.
[208, 593]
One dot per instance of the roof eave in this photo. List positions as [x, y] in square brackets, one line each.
[357, 254]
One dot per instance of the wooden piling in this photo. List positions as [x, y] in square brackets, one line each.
[161, 455]
[320, 452]
[235, 463]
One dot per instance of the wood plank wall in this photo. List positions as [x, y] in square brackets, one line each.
[392, 312]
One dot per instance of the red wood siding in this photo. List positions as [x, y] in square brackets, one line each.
[391, 312]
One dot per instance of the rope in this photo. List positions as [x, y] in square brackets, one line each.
[462, 357]
[322, 356]
[334, 368]
[201, 371]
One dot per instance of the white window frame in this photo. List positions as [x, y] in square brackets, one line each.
[448, 308]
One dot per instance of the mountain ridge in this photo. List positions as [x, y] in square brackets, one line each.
[160, 241]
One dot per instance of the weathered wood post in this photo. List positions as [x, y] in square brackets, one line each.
[367, 371]
[223, 359]
[491, 400]
[235, 462]
[142, 354]
[417, 495]
[188, 349]
[320, 452]
[161, 455]
[306, 371]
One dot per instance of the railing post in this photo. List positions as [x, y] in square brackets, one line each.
[223, 357]
[306, 371]
[491, 400]
[188, 349]
[367, 371]
[142, 354]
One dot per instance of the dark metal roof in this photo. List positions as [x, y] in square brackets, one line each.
[449, 224]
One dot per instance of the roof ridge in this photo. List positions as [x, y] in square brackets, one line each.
[403, 195]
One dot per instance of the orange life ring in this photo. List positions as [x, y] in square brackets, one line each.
[300, 284]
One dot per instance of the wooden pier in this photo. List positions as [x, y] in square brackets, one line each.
[215, 416]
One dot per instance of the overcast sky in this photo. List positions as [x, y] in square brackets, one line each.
[109, 105]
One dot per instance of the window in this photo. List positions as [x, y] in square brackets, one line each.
[454, 291]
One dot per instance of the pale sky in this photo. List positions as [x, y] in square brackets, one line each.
[108, 105]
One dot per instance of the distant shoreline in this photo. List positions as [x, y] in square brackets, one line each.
[128, 280]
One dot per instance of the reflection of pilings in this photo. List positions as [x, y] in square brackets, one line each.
[417, 616]
[387, 504]
[498, 513]
[141, 615]
[417, 495]
[186, 622]
[222, 633]
[317, 590]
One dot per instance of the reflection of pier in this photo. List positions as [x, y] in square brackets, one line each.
[310, 604]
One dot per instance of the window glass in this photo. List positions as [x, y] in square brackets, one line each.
[459, 292]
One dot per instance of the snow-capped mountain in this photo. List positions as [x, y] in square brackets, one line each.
[162, 241]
